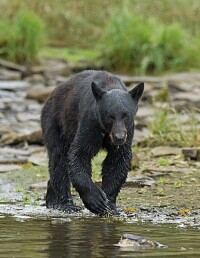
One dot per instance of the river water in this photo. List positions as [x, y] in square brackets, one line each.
[91, 237]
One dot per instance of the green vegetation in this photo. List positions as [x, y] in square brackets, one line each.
[140, 36]
[70, 54]
[162, 180]
[21, 38]
[136, 44]
[97, 165]
[167, 129]
[160, 192]
[163, 161]
[179, 184]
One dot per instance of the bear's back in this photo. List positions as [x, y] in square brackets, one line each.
[82, 81]
[74, 96]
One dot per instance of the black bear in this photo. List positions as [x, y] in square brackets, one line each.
[91, 111]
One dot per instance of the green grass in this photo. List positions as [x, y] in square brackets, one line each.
[163, 161]
[141, 36]
[97, 165]
[80, 23]
[21, 38]
[70, 54]
[146, 45]
[168, 131]
[162, 180]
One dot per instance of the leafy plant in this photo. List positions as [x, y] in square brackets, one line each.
[166, 128]
[136, 44]
[22, 38]
[163, 162]
[126, 40]
[162, 180]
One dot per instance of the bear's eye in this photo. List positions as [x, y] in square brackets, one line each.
[110, 118]
[124, 116]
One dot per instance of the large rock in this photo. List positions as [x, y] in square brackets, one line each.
[187, 96]
[6, 75]
[40, 93]
[165, 151]
[128, 80]
[54, 67]
[6, 168]
[12, 66]
[14, 85]
[16, 138]
[34, 154]
[36, 78]
[191, 153]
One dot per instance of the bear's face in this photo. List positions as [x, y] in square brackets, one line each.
[117, 110]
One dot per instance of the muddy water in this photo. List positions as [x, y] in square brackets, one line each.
[90, 237]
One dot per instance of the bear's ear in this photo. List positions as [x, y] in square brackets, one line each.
[97, 91]
[136, 92]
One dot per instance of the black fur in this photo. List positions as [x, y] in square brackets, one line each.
[91, 111]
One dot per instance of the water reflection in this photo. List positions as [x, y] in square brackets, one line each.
[85, 238]
[92, 237]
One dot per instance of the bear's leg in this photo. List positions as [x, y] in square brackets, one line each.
[80, 155]
[114, 171]
[58, 189]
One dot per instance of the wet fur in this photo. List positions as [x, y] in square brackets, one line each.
[74, 132]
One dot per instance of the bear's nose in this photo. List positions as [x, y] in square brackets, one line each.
[119, 138]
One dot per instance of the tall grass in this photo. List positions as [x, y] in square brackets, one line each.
[166, 41]
[136, 44]
[80, 23]
[166, 128]
[22, 39]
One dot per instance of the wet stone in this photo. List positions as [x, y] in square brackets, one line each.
[136, 79]
[6, 168]
[41, 185]
[139, 181]
[180, 86]
[14, 85]
[156, 172]
[55, 67]
[39, 159]
[15, 138]
[191, 153]
[141, 135]
[40, 93]
[22, 117]
[186, 96]
[165, 151]
[36, 78]
[6, 75]
[13, 151]
[12, 66]
[13, 160]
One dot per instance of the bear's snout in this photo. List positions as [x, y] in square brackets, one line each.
[118, 138]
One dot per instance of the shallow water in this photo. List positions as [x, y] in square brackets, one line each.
[90, 237]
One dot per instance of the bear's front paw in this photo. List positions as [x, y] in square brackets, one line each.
[96, 201]
[113, 208]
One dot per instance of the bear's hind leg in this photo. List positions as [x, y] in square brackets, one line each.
[53, 201]
[58, 190]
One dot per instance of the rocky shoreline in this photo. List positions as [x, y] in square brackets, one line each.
[22, 94]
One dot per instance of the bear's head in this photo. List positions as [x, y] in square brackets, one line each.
[116, 110]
